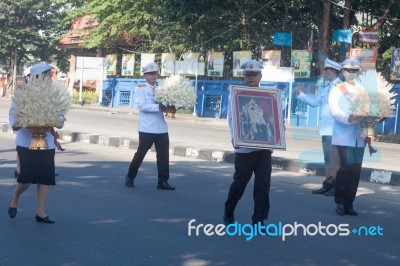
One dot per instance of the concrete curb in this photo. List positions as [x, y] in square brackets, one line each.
[278, 163]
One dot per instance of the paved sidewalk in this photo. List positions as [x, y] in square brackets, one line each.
[380, 168]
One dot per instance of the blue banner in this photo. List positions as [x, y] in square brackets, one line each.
[282, 38]
[342, 36]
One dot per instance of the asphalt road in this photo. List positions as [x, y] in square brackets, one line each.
[207, 133]
[99, 221]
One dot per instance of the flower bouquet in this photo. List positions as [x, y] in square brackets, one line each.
[374, 103]
[176, 92]
[40, 104]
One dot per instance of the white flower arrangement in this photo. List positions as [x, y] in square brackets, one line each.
[375, 100]
[41, 102]
[176, 91]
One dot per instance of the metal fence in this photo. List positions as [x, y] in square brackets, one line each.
[213, 95]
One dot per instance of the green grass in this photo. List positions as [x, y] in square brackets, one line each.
[181, 111]
[88, 97]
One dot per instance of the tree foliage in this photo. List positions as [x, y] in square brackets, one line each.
[150, 26]
[31, 28]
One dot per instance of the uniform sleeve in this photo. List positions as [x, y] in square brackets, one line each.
[11, 114]
[145, 103]
[335, 108]
[313, 101]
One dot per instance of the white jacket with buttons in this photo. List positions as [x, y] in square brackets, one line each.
[151, 119]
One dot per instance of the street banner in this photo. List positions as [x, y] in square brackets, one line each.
[367, 57]
[111, 64]
[271, 58]
[190, 68]
[167, 64]
[189, 56]
[301, 63]
[190, 65]
[239, 57]
[146, 59]
[215, 67]
[395, 65]
[128, 65]
[282, 38]
[368, 36]
[342, 36]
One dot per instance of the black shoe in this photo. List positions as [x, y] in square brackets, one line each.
[45, 220]
[164, 185]
[128, 181]
[12, 212]
[228, 219]
[320, 191]
[351, 212]
[340, 209]
[330, 192]
[348, 209]
[259, 223]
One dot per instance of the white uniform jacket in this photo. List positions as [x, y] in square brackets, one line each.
[151, 119]
[326, 119]
[344, 133]
[24, 137]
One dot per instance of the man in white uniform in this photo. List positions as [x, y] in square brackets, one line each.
[347, 138]
[152, 129]
[331, 73]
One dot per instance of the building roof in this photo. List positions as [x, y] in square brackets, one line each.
[73, 38]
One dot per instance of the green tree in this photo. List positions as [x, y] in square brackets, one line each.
[205, 25]
[30, 30]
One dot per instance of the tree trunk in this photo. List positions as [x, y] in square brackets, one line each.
[323, 33]
[383, 18]
[10, 78]
[346, 14]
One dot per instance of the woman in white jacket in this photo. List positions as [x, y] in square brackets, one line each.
[36, 166]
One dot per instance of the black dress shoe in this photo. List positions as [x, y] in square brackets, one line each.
[12, 212]
[330, 192]
[228, 219]
[164, 185]
[351, 212]
[340, 209]
[128, 181]
[45, 220]
[258, 223]
[320, 191]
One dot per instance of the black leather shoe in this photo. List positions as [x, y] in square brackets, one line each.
[45, 220]
[128, 181]
[12, 212]
[259, 223]
[320, 191]
[164, 185]
[340, 209]
[330, 192]
[351, 212]
[228, 219]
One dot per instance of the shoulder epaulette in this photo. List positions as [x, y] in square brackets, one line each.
[142, 85]
[342, 87]
[340, 83]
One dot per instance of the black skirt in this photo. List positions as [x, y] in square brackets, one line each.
[36, 166]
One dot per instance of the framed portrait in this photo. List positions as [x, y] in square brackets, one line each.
[257, 117]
